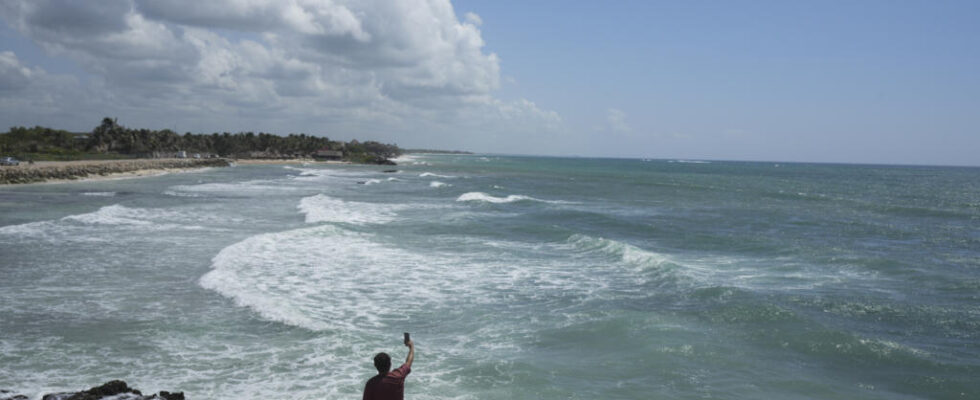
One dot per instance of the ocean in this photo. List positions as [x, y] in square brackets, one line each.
[518, 278]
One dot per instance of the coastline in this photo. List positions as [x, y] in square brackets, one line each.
[287, 161]
[54, 172]
[73, 171]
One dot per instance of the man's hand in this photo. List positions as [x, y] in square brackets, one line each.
[411, 353]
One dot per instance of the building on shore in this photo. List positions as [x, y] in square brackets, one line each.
[327, 154]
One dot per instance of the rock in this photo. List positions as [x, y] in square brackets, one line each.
[8, 395]
[81, 169]
[117, 390]
[171, 396]
[390, 171]
[110, 388]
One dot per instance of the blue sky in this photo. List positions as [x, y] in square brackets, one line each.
[892, 82]
[829, 81]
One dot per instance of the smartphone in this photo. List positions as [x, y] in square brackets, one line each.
[406, 338]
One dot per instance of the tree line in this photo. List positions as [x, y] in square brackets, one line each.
[110, 138]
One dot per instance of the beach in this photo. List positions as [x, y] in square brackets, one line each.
[69, 171]
[287, 161]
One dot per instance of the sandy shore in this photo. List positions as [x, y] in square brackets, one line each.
[142, 173]
[73, 171]
[291, 161]
[68, 171]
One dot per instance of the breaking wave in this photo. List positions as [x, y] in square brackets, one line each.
[79, 227]
[323, 208]
[627, 253]
[429, 174]
[324, 278]
[236, 189]
[486, 198]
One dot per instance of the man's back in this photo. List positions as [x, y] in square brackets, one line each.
[390, 386]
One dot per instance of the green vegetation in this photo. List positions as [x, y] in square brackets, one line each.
[41, 143]
[111, 140]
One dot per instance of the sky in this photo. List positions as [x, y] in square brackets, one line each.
[889, 82]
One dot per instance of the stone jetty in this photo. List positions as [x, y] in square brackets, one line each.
[70, 170]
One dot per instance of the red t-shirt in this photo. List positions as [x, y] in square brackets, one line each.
[388, 387]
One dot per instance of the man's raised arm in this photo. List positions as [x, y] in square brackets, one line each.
[411, 353]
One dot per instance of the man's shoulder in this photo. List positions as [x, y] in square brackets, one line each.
[399, 373]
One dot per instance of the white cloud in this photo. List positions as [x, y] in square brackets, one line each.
[32, 94]
[473, 19]
[616, 121]
[13, 75]
[378, 66]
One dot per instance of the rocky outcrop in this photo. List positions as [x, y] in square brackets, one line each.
[81, 169]
[8, 395]
[117, 390]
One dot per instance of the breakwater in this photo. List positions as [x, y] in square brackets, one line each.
[70, 170]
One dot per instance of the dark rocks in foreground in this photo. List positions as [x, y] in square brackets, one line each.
[118, 390]
[8, 395]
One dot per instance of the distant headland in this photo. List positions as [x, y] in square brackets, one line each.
[110, 140]
[42, 154]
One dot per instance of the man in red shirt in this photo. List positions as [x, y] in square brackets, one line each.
[389, 385]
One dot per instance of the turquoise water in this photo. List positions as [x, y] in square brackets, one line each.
[519, 277]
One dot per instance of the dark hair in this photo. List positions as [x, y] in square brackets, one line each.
[382, 362]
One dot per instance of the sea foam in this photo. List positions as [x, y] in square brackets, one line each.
[429, 174]
[326, 278]
[323, 277]
[486, 198]
[83, 227]
[627, 253]
[323, 208]
[235, 189]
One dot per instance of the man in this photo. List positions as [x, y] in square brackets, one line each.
[389, 385]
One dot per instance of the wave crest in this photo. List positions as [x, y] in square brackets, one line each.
[627, 253]
[323, 278]
[486, 198]
[429, 174]
[323, 208]
[79, 227]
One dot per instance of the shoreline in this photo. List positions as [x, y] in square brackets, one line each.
[56, 172]
[51, 172]
[140, 173]
[286, 161]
